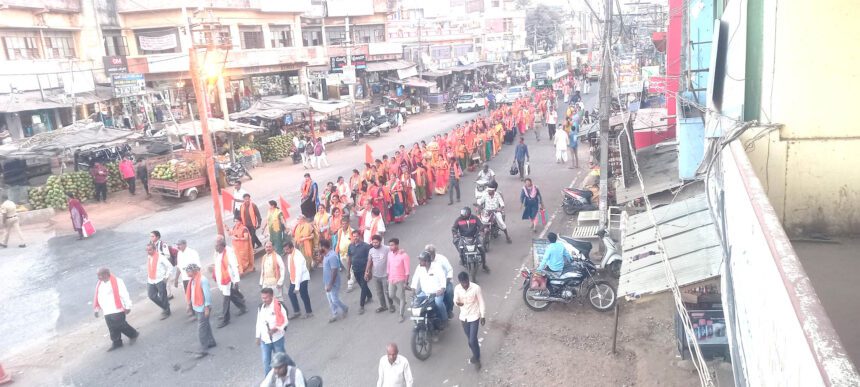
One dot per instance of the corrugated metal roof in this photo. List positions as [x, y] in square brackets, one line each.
[691, 241]
[659, 165]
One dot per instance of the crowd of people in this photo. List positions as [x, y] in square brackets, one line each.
[388, 190]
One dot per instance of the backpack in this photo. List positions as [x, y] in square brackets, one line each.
[318, 149]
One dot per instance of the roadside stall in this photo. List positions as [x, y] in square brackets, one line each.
[181, 174]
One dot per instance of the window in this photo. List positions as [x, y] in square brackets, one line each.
[312, 36]
[59, 45]
[440, 52]
[282, 36]
[508, 24]
[462, 50]
[335, 35]
[115, 43]
[251, 37]
[21, 45]
[368, 34]
[217, 36]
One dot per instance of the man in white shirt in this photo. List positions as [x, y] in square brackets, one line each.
[299, 279]
[440, 261]
[271, 324]
[373, 225]
[430, 281]
[158, 269]
[238, 199]
[184, 257]
[551, 120]
[469, 298]
[272, 271]
[394, 369]
[113, 301]
[9, 221]
[227, 278]
[494, 202]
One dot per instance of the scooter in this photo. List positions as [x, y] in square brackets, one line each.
[235, 172]
[575, 200]
[611, 261]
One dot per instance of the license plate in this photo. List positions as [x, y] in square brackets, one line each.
[417, 318]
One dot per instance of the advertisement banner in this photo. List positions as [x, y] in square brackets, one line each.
[158, 43]
[115, 64]
[657, 85]
[128, 85]
[336, 63]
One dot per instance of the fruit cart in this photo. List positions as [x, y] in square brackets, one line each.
[182, 174]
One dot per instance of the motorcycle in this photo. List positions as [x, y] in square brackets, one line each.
[575, 200]
[469, 248]
[611, 260]
[491, 229]
[451, 103]
[381, 122]
[577, 278]
[296, 156]
[235, 172]
[426, 323]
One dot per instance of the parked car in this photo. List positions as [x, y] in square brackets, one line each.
[470, 102]
[511, 94]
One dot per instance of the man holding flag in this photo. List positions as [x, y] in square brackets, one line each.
[271, 324]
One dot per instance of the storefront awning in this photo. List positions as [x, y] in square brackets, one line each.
[659, 167]
[33, 100]
[435, 73]
[413, 82]
[273, 109]
[216, 125]
[691, 242]
[321, 106]
[472, 66]
[81, 135]
[388, 65]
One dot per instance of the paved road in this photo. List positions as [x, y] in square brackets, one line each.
[48, 289]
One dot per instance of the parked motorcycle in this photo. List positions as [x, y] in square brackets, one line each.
[576, 280]
[235, 172]
[611, 261]
[296, 156]
[426, 323]
[381, 122]
[575, 200]
[471, 249]
[451, 103]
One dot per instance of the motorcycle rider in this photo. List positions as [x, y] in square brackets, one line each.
[555, 257]
[468, 226]
[486, 178]
[430, 281]
[493, 202]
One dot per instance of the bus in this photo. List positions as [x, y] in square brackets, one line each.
[544, 72]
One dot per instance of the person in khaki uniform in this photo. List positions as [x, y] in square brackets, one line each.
[9, 218]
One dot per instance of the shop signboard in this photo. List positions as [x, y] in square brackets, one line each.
[657, 84]
[115, 64]
[338, 62]
[167, 41]
[348, 75]
[128, 85]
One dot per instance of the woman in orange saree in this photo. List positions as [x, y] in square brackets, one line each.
[241, 240]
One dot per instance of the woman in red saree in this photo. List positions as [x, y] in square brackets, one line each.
[440, 174]
[241, 240]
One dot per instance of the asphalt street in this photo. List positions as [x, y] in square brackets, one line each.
[47, 291]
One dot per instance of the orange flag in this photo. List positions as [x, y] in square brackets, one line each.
[368, 154]
[227, 199]
[284, 207]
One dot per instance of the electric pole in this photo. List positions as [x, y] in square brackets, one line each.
[605, 98]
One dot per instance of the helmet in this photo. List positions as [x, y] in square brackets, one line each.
[465, 212]
[425, 256]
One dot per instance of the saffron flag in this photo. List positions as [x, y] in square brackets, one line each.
[227, 200]
[368, 154]
[284, 207]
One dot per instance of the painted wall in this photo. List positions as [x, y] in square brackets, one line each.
[673, 57]
[808, 167]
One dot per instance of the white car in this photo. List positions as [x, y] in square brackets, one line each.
[512, 94]
[470, 102]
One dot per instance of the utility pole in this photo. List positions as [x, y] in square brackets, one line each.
[605, 98]
[350, 86]
[209, 29]
[420, 67]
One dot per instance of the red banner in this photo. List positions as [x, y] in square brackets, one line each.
[657, 84]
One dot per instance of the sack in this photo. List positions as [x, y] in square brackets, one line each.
[87, 228]
[542, 214]
[515, 169]
[526, 168]
[538, 282]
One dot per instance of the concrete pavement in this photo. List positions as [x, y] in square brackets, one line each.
[51, 290]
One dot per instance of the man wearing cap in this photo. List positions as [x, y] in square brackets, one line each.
[199, 300]
[271, 324]
[113, 301]
[430, 281]
[283, 373]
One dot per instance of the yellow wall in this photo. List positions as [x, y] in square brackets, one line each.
[810, 78]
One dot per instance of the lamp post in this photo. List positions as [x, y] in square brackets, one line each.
[213, 43]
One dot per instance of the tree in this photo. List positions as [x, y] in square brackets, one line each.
[523, 4]
[545, 21]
